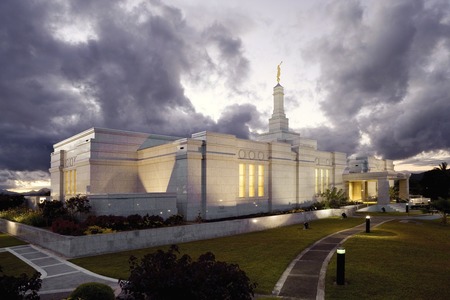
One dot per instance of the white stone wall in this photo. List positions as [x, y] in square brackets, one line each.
[161, 204]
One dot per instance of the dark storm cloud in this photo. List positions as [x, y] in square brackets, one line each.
[234, 116]
[126, 76]
[382, 76]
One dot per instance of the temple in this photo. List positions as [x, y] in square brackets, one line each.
[211, 175]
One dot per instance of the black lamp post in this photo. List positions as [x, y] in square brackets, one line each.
[368, 224]
[340, 270]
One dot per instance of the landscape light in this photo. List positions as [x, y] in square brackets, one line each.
[340, 267]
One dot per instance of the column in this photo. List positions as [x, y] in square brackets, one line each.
[383, 191]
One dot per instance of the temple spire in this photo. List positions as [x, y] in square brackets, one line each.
[278, 122]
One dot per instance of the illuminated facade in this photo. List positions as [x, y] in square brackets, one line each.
[211, 175]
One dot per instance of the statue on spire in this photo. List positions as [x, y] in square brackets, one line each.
[279, 72]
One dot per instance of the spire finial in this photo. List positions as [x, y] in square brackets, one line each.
[279, 72]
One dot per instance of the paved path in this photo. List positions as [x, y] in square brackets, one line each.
[305, 276]
[59, 277]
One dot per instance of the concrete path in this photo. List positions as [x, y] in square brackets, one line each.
[59, 277]
[305, 276]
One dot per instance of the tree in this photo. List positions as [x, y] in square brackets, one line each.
[442, 205]
[442, 167]
[436, 183]
[334, 198]
[393, 192]
[22, 287]
[78, 205]
[162, 275]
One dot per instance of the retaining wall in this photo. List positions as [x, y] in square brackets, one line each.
[78, 246]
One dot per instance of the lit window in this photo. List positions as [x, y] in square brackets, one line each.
[241, 180]
[251, 180]
[317, 181]
[66, 182]
[260, 181]
[321, 180]
[74, 184]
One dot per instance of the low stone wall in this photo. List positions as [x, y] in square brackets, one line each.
[78, 246]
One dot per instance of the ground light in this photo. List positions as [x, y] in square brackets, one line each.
[340, 269]
[367, 224]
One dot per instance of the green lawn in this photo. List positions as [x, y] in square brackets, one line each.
[10, 264]
[262, 255]
[398, 260]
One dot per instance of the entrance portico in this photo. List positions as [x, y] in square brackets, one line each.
[365, 186]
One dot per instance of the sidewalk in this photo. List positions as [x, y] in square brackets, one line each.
[305, 276]
[59, 277]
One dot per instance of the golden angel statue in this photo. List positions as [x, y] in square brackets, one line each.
[279, 72]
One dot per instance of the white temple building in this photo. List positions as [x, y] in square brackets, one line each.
[210, 175]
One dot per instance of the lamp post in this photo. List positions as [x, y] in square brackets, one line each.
[367, 224]
[407, 208]
[340, 269]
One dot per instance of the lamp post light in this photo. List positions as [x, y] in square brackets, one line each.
[340, 269]
[367, 224]
[407, 208]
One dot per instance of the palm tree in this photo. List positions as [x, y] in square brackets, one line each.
[334, 198]
[442, 167]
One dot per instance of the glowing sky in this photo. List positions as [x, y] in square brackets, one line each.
[361, 77]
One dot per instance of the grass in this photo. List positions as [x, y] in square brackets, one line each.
[10, 264]
[8, 241]
[262, 255]
[397, 260]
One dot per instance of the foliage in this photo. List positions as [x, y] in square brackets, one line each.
[78, 204]
[174, 220]
[93, 290]
[52, 210]
[334, 198]
[436, 183]
[162, 275]
[97, 230]
[393, 192]
[11, 201]
[24, 215]
[442, 205]
[22, 287]
[67, 227]
[117, 223]
[153, 221]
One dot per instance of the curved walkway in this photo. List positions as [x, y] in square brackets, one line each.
[59, 277]
[305, 276]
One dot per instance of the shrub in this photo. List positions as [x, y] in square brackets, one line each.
[34, 218]
[152, 221]
[97, 230]
[22, 287]
[93, 291]
[78, 204]
[67, 227]
[174, 220]
[117, 223]
[162, 275]
[11, 201]
[135, 221]
[52, 210]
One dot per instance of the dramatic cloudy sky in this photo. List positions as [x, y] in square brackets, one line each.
[359, 76]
